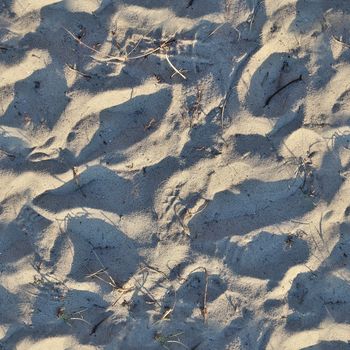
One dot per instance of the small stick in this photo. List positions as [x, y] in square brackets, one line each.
[72, 68]
[98, 324]
[173, 67]
[205, 297]
[282, 88]
[222, 107]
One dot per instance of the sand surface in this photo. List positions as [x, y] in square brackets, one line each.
[174, 174]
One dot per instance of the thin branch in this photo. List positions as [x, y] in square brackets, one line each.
[205, 297]
[98, 324]
[282, 88]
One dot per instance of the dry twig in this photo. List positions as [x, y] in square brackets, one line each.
[282, 88]
[98, 324]
[74, 69]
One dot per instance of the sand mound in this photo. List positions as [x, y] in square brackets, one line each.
[174, 174]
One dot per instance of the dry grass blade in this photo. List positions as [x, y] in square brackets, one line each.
[48, 278]
[178, 342]
[111, 281]
[123, 292]
[151, 51]
[173, 67]
[95, 273]
[80, 42]
[77, 181]
[137, 45]
[226, 97]
[186, 230]
[147, 53]
[169, 311]
[340, 41]
[144, 290]
[216, 29]
[222, 108]
[67, 317]
[204, 307]
[166, 314]
[108, 58]
[80, 319]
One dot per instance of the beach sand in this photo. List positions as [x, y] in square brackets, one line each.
[174, 174]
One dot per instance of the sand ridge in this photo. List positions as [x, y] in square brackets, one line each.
[174, 174]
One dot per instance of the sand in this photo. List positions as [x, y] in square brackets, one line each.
[174, 174]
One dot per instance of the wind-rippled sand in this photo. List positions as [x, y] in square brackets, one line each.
[174, 174]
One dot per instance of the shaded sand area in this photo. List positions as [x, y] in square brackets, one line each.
[174, 174]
